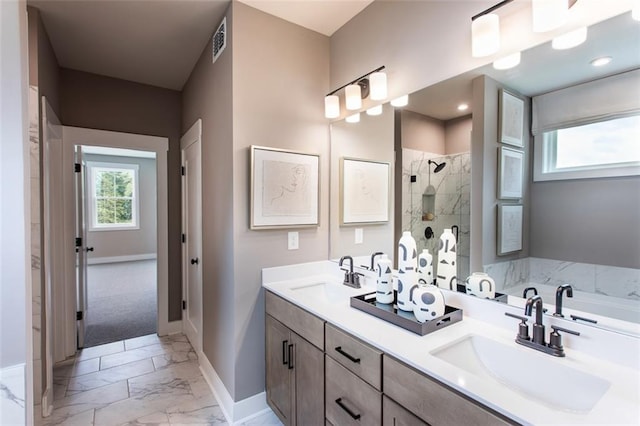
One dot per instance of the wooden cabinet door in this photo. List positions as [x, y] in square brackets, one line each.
[308, 370]
[278, 349]
[396, 415]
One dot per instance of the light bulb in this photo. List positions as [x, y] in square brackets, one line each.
[378, 86]
[376, 110]
[549, 14]
[401, 101]
[485, 35]
[354, 98]
[507, 62]
[355, 118]
[332, 106]
[570, 39]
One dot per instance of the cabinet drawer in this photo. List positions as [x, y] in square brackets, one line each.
[396, 415]
[303, 323]
[358, 357]
[349, 400]
[431, 400]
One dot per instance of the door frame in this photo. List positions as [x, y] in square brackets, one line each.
[193, 135]
[73, 136]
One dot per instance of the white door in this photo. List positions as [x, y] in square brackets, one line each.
[192, 236]
[81, 246]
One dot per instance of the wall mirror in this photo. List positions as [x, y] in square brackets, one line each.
[429, 196]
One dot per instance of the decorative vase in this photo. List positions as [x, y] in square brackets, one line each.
[428, 303]
[384, 290]
[480, 284]
[407, 260]
[447, 269]
[425, 268]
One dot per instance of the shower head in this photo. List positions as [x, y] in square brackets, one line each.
[439, 167]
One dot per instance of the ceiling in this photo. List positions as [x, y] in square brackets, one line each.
[158, 42]
[542, 69]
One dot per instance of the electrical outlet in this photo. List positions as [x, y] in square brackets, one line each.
[293, 241]
[359, 235]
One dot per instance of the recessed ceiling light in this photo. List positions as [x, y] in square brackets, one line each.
[598, 62]
[570, 39]
[507, 62]
[463, 107]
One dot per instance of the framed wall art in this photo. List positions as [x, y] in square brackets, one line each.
[285, 188]
[511, 118]
[510, 173]
[364, 191]
[509, 228]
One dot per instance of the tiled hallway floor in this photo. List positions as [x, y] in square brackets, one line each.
[141, 381]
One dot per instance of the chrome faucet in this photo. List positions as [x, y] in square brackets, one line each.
[351, 279]
[538, 327]
[538, 341]
[561, 289]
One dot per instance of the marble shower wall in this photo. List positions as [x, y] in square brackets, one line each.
[36, 247]
[452, 201]
[599, 279]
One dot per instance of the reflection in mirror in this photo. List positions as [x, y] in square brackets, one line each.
[584, 232]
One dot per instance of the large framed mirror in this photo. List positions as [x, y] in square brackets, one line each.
[582, 232]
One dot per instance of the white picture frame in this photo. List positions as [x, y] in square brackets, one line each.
[364, 191]
[510, 173]
[509, 228]
[285, 188]
[511, 117]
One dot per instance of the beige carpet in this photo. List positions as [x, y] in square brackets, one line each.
[121, 301]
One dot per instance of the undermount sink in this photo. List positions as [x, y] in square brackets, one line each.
[330, 292]
[532, 374]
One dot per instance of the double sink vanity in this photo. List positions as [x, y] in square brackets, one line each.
[329, 363]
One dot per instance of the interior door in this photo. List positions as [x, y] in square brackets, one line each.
[192, 247]
[81, 249]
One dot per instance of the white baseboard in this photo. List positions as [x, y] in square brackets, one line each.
[174, 327]
[115, 259]
[234, 412]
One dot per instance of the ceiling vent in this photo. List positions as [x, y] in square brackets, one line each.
[220, 39]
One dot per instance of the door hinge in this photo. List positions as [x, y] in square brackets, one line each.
[182, 171]
[77, 168]
[184, 305]
[79, 315]
[78, 242]
[184, 238]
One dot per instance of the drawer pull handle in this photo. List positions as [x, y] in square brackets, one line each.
[343, 353]
[290, 361]
[353, 415]
[284, 352]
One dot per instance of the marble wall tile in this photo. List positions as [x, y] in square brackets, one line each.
[554, 273]
[617, 282]
[12, 395]
[509, 274]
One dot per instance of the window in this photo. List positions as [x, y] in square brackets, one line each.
[114, 196]
[601, 149]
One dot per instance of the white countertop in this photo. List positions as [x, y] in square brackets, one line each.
[619, 405]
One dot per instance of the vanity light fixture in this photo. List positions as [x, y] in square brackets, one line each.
[635, 11]
[355, 118]
[373, 83]
[376, 110]
[603, 60]
[401, 101]
[549, 14]
[570, 39]
[485, 31]
[507, 62]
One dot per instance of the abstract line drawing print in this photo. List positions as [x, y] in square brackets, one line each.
[286, 189]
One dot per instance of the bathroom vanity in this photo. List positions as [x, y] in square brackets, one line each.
[328, 363]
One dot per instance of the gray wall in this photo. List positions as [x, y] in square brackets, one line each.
[422, 133]
[371, 139]
[135, 241]
[587, 220]
[458, 135]
[98, 102]
[280, 75]
[484, 176]
[13, 188]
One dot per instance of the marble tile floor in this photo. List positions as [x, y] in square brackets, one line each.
[147, 380]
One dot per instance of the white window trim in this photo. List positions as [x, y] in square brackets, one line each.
[92, 166]
[543, 157]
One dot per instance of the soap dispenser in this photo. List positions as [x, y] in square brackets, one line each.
[384, 288]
